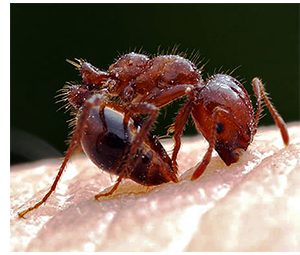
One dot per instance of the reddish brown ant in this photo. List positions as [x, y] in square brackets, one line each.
[221, 109]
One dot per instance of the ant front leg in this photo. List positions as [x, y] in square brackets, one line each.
[217, 114]
[259, 91]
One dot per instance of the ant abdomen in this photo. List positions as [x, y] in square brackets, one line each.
[106, 140]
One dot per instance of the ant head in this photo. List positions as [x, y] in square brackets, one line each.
[231, 149]
[229, 154]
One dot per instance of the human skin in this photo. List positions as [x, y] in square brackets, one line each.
[252, 205]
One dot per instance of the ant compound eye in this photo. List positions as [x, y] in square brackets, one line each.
[220, 127]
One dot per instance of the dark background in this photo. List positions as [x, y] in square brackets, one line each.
[262, 38]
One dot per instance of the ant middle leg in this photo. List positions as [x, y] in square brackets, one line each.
[158, 99]
[151, 106]
[178, 128]
[173, 93]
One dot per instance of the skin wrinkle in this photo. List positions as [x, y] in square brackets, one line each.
[251, 205]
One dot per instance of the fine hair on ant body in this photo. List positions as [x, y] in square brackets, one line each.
[117, 139]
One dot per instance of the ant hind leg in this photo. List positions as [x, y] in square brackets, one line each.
[53, 187]
[128, 166]
[114, 188]
[73, 144]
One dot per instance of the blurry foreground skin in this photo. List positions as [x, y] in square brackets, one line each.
[252, 205]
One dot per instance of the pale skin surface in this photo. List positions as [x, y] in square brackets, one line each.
[252, 205]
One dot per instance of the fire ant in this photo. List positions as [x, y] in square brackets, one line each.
[115, 137]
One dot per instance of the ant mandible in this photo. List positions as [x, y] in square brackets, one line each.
[220, 107]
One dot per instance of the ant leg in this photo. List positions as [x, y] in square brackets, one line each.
[139, 108]
[155, 100]
[218, 111]
[206, 159]
[178, 128]
[159, 99]
[61, 169]
[259, 91]
[74, 142]
[75, 139]
[142, 108]
[113, 188]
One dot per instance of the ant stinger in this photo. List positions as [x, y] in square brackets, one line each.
[117, 139]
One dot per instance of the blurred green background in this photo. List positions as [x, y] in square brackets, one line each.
[262, 38]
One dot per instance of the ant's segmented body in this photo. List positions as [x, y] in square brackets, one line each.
[115, 138]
